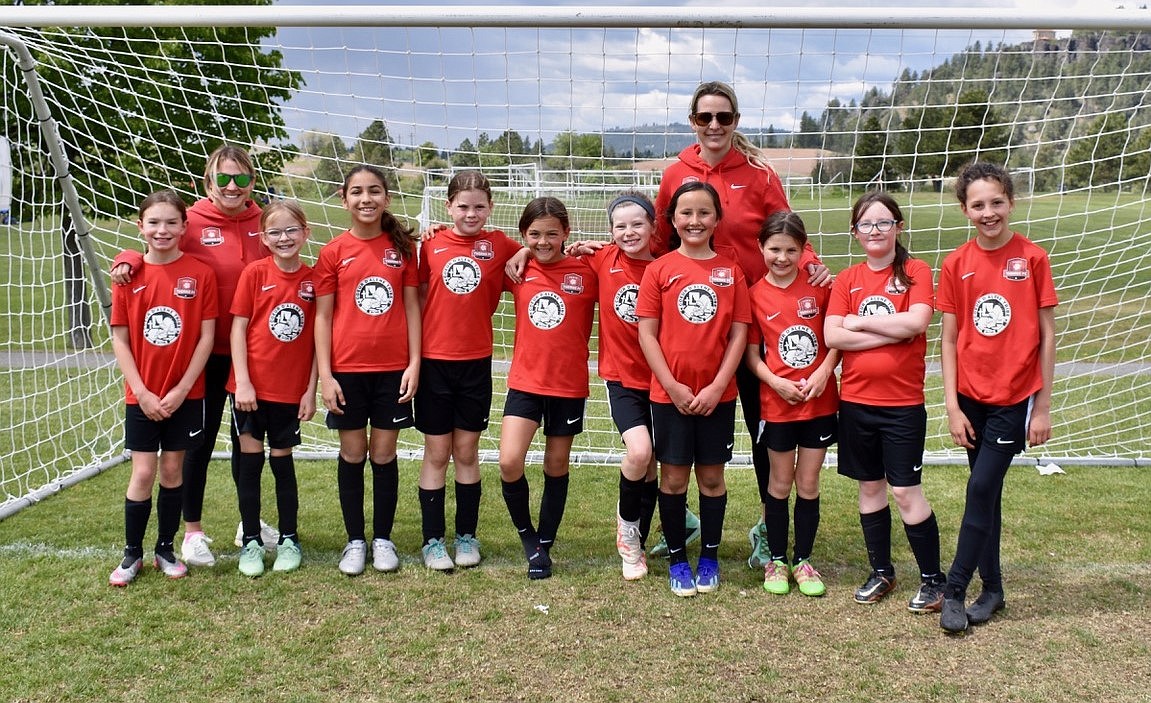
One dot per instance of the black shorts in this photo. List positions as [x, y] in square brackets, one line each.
[454, 395]
[182, 431]
[1003, 427]
[279, 422]
[630, 408]
[371, 397]
[814, 433]
[560, 417]
[878, 443]
[686, 440]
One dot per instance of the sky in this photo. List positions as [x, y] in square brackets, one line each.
[446, 85]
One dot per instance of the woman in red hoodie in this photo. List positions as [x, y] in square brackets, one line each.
[223, 232]
[749, 191]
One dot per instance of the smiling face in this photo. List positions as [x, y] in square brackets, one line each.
[161, 226]
[781, 253]
[230, 199]
[989, 208]
[284, 236]
[695, 219]
[714, 138]
[545, 238]
[631, 230]
[868, 229]
[469, 210]
[366, 197]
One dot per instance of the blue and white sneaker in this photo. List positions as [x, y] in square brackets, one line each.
[681, 579]
[707, 576]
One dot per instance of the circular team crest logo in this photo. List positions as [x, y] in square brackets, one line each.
[876, 305]
[546, 310]
[697, 303]
[798, 346]
[162, 326]
[286, 322]
[991, 315]
[461, 275]
[374, 295]
[624, 303]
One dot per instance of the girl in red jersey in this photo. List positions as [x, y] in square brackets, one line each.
[877, 317]
[223, 232]
[273, 381]
[368, 357]
[798, 398]
[162, 332]
[555, 305]
[998, 353]
[461, 279]
[693, 309]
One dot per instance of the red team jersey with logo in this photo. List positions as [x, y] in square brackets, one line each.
[555, 305]
[995, 297]
[789, 322]
[280, 308]
[369, 321]
[163, 308]
[891, 375]
[696, 302]
[465, 278]
[620, 356]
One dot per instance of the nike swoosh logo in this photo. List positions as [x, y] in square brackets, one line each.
[193, 433]
[966, 276]
[440, 250]
[917, 468]
[675, 278]
[137, 289]
[399, 419]
[772, 316]
[265, 288]
[674, 551]
[297, 430]
[1000, 440]
[615, 270]
[347, 261]
[573, 420]
[711, 546]
[737, 186]
[855, 290]
[530, 278]
[253, 234]
[823, 438]
[731, 445]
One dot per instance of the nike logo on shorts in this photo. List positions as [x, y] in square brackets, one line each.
[573, 420]
[193, 433]
[822, 438]
[1000, 440]
[918, 467]
[400, 419]
[732, 444]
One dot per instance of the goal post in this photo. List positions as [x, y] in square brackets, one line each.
[580, 104]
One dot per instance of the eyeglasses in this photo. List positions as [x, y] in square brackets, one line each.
[881, 225]
[703, 119]
[277, 233]
[242, 180]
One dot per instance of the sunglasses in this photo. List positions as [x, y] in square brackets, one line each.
[703, 119]
[242, 180]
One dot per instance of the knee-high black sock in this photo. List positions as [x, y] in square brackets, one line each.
[468, 507]
[877, 539]
[924, 541]
[350, 479]
[432, 513]
[806, 517]
[775, 519]
[712, 510]
[672, 510]
[287, 495]
[168, 504]
[648, 498]
[553, 502]
[630, 498]
[516, 496]
[136, 514]
[247, 467]
[385, 497]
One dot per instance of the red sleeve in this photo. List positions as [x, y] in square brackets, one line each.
[131, 257]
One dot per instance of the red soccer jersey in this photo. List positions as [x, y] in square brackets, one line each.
[280, 308]
[696, 301]
[789, 321]
[369, 321]
[163, 308]
[465, 277]
[620, 357]
[555, 305]
[891, 375]
[995, 297]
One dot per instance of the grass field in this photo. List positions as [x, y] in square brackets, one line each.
[1077, 559]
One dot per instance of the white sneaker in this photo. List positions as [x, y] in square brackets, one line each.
[352, 560]
[627, 543]
[195, 550]
[269, 535]
[384, 555]
[436, 556]
[467, 551]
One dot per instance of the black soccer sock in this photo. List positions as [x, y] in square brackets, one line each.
[350, 479]
[247, 469]
[385, 497]
[806, 517]
[877, 538]
[516, 496]
[432, 513]
[775, 519]
[168, 504]
[553, 502]
[630, 498]
[712, 510]
[136, 514]
[672, 510]
[287, 495]
[648, 498]
[468, 507]
[924, 541]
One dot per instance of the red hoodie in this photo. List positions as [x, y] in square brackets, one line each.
[227, 244]
[748, 196]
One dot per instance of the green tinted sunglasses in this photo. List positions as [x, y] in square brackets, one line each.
[243, 180]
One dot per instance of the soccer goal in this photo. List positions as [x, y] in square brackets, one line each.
[578, 104]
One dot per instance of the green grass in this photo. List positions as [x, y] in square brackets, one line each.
[1075, 552]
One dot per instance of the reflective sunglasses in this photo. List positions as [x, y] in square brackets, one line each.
[703, 119]
[242, 180]
[274, 234]
[881, 225]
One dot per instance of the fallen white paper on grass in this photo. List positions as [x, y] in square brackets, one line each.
[1050, 469]
[542, 608]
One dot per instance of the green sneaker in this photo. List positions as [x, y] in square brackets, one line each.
[252, 559]
[760, 556]
[776, 578]
[288, 556]
[808, 579]
[690, 523]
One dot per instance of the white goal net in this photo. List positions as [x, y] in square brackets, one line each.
[577, 105]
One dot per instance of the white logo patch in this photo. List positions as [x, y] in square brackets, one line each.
[546, 310]
[286, 322]
[798, 346]
[624, 303]
[461, 275]
[991, 315]
[697, 303]
[162, 326]
[374, 295]
[876, 305]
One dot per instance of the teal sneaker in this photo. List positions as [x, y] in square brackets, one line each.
[690, 523]
[252, 559]
[808, 579]
[777, 578]
[760, 555]
[288, 556]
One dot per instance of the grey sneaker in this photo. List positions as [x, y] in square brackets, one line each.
[467, 551]
[353, 558]
[952, 617]
[986, 605]
[436, 556]
[384, 555]
[195, 550]
[169, 565]
[126, 572]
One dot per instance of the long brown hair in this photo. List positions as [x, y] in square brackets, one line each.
[402, 236]
[899, 265]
